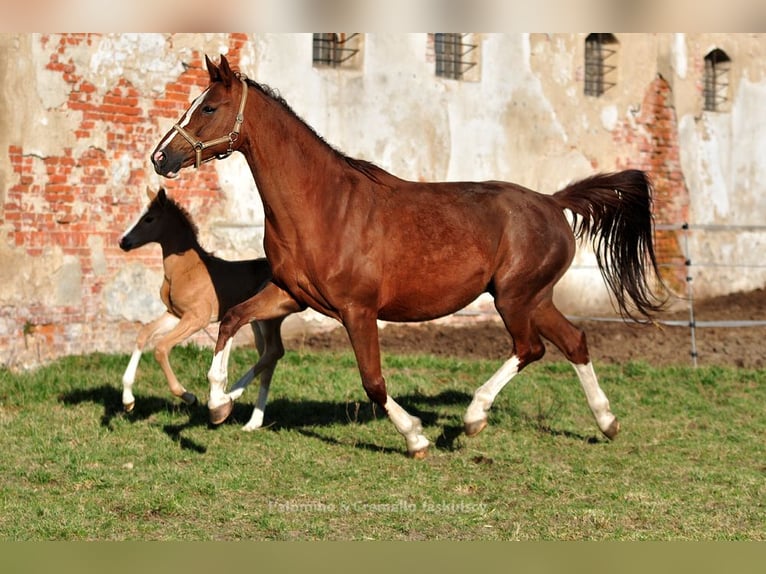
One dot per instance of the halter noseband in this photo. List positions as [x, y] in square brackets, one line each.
[233, 135]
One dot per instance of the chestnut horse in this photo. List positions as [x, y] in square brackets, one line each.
[357, 243]
[197, 290]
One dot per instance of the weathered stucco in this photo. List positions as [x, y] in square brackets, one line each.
[79, 114]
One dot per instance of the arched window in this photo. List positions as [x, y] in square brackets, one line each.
[715, 87]
[600, 63]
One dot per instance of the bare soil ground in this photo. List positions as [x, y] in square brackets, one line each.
[609, 342]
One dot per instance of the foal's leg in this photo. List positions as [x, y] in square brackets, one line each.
[363, 332]
[156, 328]
[571, 340]
[270, 304]
[527, 348]
[188, 325]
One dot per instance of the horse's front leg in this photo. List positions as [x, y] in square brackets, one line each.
[271, 303]
[363, 332]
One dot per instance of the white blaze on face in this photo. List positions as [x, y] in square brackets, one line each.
[185, 119]
[135, 222]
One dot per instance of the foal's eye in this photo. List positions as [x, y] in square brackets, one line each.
[148, 219]
[208, 109]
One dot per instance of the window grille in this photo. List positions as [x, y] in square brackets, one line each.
[716, 80]
[334, 49]
[600, 63]
[454, 55]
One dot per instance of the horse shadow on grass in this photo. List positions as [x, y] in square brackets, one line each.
[304, 416]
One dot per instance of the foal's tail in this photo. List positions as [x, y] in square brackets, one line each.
[614, 210]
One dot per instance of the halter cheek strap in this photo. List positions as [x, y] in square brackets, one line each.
[233, 135]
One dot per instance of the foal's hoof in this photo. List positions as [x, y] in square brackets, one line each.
[475, 427]
[189, 398]
[613, 430]
[418, 454]
[128, 407]
[221, 413]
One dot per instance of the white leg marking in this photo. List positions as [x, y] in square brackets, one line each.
[129, 377]
[256, 421]
[239, 387]
[485, 394]
[407, 425]
[217, 376]
[596, 398]
[185, 119]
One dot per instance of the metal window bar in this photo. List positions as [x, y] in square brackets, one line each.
[597, 67]
[333, 49]
[716, 80]
[451, 55]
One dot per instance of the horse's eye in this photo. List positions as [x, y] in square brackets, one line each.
[208, 109]
[148, 219]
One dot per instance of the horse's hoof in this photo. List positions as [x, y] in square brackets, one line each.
[128, 407]
[221, 413]
[418, 454]
[475, 427]
[613, 430]
[189, 398]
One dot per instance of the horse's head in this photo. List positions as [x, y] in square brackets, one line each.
[150, 224]
[209, 128]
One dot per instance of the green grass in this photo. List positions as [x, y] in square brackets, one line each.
[690, 463]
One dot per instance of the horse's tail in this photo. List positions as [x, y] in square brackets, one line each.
[615, 211]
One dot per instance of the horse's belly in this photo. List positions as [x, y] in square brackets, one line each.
[423, 301]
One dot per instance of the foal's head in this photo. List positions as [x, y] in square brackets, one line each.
[209, 128]
[163, 219]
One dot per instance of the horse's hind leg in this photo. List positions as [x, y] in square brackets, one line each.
[268, 341]
[571, 340]
[527, 348]
[156, 328]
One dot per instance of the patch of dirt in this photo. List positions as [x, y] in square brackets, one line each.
[608, 342]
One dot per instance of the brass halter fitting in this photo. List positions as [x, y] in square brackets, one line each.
[233, 135]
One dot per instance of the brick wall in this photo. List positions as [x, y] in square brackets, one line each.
[76, 204]
[655, 139]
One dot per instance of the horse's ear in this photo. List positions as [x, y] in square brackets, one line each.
[150, 193]
[226, 73]
[162, 196]
[212, 70]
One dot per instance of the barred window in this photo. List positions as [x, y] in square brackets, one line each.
[336, 49]
[715, 87]
[600, 63]
[455, 55]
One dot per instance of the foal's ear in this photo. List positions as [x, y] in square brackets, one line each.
[212, 70]
[150, 193]
[162, 196]
[226, 73]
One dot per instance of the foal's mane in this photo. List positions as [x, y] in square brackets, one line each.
[365, 167]
[185, 215]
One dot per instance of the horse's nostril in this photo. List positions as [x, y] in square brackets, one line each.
[159, 157]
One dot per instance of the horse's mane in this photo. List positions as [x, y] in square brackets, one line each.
[367, 168]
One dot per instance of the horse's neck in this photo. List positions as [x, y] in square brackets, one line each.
[285, 157]
[179, 241]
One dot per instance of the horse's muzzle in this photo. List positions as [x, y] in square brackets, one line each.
[164, 166]
[126, 244]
